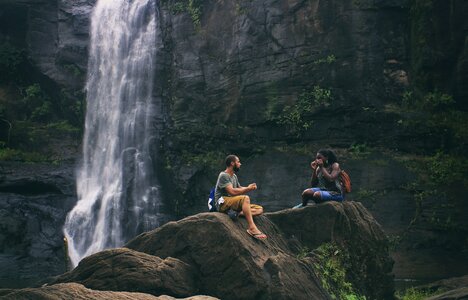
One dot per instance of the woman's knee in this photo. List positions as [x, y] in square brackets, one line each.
[247, 200]
[317, 195]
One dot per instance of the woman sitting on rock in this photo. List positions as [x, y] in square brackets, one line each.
[325, 181]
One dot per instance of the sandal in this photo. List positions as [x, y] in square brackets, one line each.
[258, 236]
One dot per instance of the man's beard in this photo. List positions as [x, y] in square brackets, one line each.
[235, 169]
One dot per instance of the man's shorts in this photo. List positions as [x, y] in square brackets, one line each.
[327, 196]
[235, 203]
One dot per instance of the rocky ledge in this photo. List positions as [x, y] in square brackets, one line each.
[211, 254]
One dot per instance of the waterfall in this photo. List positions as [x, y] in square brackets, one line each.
[117, 194]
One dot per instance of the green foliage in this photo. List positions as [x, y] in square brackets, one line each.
[358, 151]
[36, 105]
[327, 60]
[209, 159]
[8, 154]
[446, 169]
[330, 265]
[178, 7]
[192, 7]
[435, 177]
[73, 69]
[430, 102]
[10, 60]
[434, 115]
[366, 195]
[73, 107]
[415, 294]
[295, 116]
[303, 253]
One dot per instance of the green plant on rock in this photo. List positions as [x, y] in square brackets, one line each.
[357, 150]
[327, 60]
[365, 194]
[330, 266]
[415, 294]
[192, 7]
[36, 105]
[303, 253]
[73, 69]
[295, 116]
[8, 154]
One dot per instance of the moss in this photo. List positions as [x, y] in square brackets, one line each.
[359, 151]
[209, 159]
[73, 69]
[192, 7]
[330, 265]
[327, 60]
[416, 294]
[8, 154]
[295, 117]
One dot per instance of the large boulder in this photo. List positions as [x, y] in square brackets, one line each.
[79, 292]
[227, 259]
[126, 270]
[457, 294]
[230, 264]
[351, 226]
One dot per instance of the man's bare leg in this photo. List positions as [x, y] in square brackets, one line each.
[254, 211]
[248, 216]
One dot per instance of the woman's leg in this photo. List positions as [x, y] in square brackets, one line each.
[307, 195]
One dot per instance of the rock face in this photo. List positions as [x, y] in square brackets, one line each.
[77, 291]
[211, 254]
[458, 294]
[131, 271]
[351, 226]
[227, 259]
[55, 34]
[32, 213]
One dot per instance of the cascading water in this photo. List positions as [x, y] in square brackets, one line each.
[114, 184]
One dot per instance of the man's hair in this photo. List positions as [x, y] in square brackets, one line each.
[230, 158]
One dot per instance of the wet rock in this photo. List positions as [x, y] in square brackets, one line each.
[351, 226]
[34, 201]
[458, 294]
[127, 270]
[77, 291]
[226, 258]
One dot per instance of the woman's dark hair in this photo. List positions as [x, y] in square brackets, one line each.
[330, 155]
[229, 159]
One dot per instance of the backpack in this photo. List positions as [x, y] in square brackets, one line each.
[211, 201]
[345, 181]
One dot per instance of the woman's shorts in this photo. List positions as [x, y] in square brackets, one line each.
[327, 196]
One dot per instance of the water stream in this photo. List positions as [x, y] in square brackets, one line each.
[117, 193]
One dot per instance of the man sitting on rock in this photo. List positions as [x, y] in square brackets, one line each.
[230, 195]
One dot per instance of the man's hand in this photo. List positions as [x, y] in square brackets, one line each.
[252, 186]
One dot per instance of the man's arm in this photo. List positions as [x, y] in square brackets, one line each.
[240, 190]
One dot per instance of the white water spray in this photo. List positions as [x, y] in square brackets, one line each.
[114, 184]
